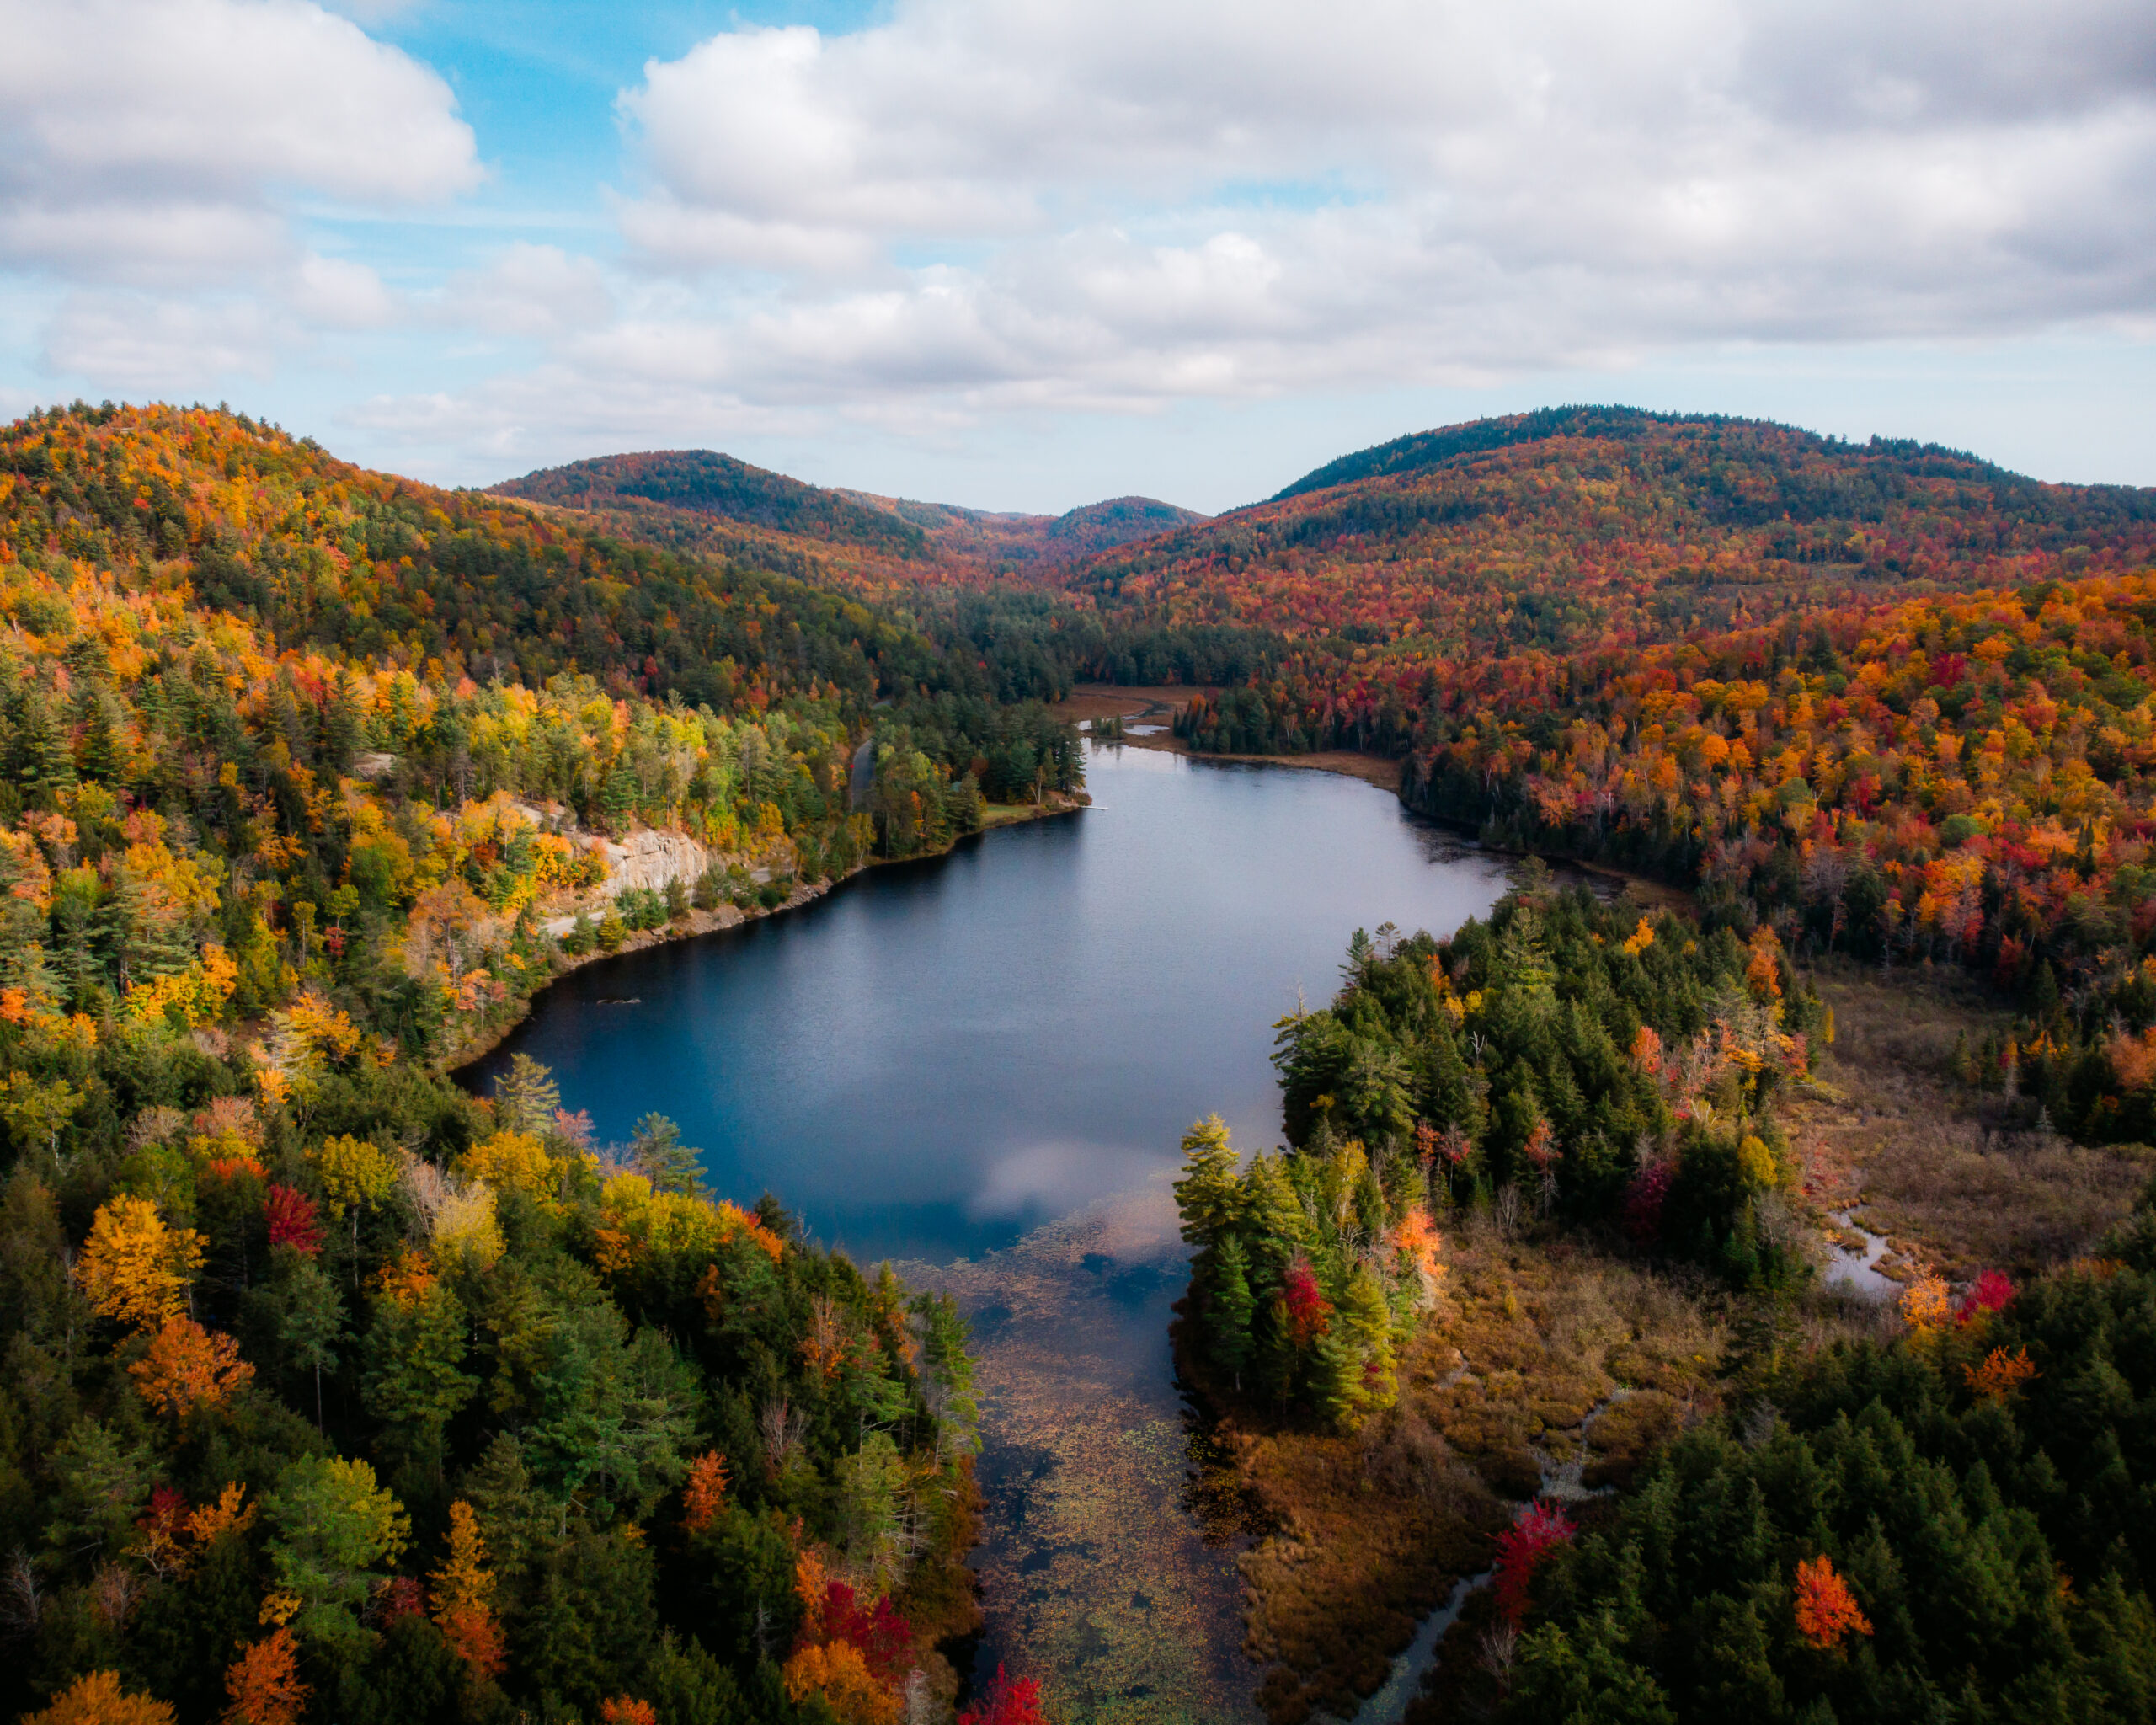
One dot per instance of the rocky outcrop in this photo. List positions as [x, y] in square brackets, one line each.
[652, 859]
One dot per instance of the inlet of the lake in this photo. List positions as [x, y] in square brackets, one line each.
[980, 1067]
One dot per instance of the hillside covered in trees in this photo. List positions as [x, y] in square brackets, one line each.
[698, 499]
[1580, 528]
[328, 1380]
[1880, 704]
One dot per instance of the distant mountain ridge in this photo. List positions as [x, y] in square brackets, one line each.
[997, 537]
[703, 482]
[675, 496]
[1421, 451]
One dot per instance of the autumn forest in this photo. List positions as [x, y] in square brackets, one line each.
[339, 1389]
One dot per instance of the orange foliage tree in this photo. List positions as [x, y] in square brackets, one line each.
[463, 1589]
[840, 1674]
[1926, 1306]
[2001, 1373]
[1826, 1610]
[626, 1710]
[188, 1367]
[706, 1493]
[264, 1683]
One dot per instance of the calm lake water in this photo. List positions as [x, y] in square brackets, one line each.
[942, 1055]
[980, 1066]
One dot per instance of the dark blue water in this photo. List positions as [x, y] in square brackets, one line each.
[939, 1056]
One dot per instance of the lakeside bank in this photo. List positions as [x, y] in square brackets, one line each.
[720, 919]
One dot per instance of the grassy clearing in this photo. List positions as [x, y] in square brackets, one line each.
[1951, 1175]
[1369, 1531]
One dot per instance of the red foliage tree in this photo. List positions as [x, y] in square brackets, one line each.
[293, 1221]
[1006, 1700]
[1309, 1313]
[883, 1638]
[1993, 1291]
[1537, 1530]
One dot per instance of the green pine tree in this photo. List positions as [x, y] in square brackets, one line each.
[1229, 1309]
[671, 1164]
[1206, 1196]
[1363, 1323]
[526, 1098]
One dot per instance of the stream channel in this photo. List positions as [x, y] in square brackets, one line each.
[980, 1067]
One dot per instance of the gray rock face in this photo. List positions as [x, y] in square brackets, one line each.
[652, 859]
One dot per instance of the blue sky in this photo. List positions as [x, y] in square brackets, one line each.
[1025, 255]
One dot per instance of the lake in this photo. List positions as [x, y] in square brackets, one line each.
[981, 1066]
[944, 1054]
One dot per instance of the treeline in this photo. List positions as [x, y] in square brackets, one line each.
[1945, 1527]
[1565, 1058]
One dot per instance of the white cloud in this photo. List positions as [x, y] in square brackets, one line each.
[528, 291]
[1117, 198]
[158, 140]
[142, 347]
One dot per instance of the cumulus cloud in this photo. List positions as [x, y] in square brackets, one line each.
[528, 291]
[1121, 203]
[159, 140]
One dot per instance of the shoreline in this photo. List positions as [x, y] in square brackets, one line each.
[727, 917]
[1147, 705]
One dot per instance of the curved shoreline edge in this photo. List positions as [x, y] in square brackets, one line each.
[697, 924]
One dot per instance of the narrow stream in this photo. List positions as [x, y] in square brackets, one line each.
[1858, 1270]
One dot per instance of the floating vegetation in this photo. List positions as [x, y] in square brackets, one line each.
[1108, 1568]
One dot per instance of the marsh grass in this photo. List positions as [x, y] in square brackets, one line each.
[1956, 1178]
[1370, 1531]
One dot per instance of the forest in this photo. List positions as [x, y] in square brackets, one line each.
[1864, 1516]
[336, 1391]
[1878, 706]
[1419, 565]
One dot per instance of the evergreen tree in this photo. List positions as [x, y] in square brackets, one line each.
[1206, 1196]
[526, 1098]
[45, 762]
[669, 1164]
[1228, 1310]
[1364, 1325]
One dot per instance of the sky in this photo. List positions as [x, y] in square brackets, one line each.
[1024, 255]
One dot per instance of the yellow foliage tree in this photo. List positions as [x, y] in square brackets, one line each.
[98, 1700]
[517, 1162]
[134, 1267]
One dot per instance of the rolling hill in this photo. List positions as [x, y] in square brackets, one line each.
[700, 500]
[1586, 527]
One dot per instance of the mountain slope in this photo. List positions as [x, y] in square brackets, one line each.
[281, 834]
[1577, 528]
[370, 565]
[700, 500]
[657, 489]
